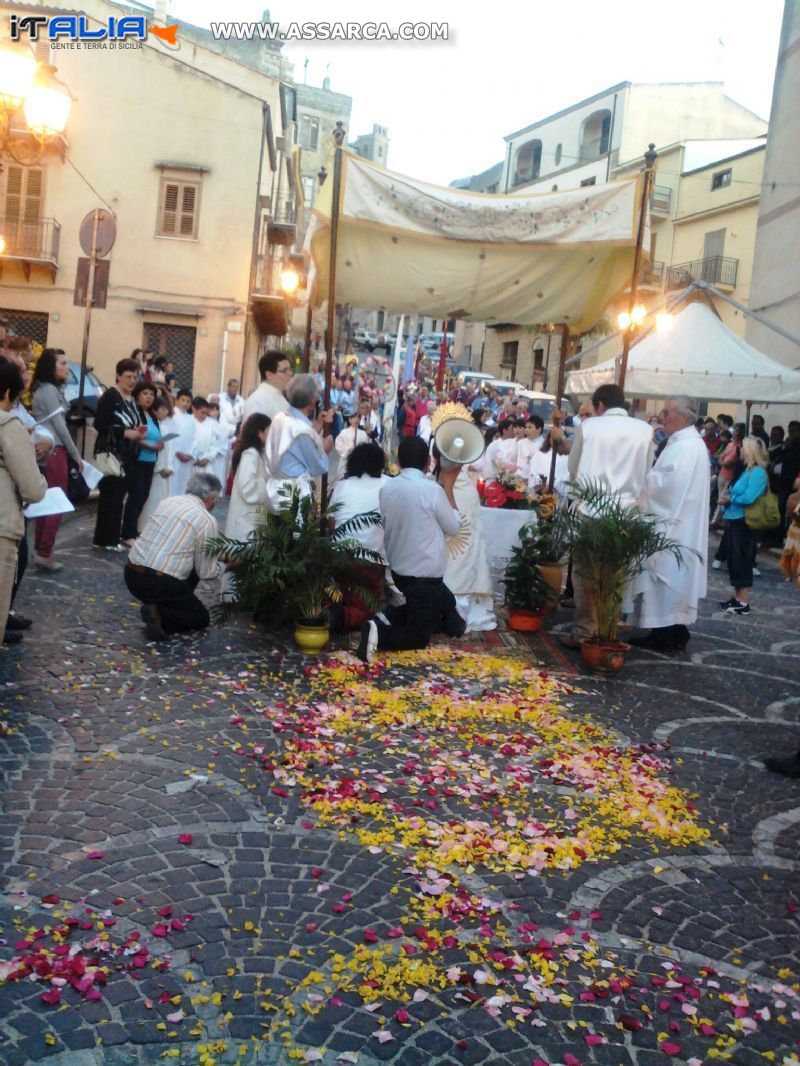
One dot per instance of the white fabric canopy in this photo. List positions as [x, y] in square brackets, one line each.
[698, 356]
[521, 258]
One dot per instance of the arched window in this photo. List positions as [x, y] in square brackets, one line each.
[558, 154]
[527, 162]
[595, 135]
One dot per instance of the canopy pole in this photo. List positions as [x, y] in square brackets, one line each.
[748, 407]
[307, 346]
[338, 136]
[562, 373]
[650, 157]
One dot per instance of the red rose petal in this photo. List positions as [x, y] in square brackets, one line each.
[51, 900]
[165, 912]
[185, 838]
[95, 854]
[370, 936]
[670, 1049]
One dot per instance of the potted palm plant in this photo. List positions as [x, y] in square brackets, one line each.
[547, 542]
[294, 566]
[611, 541]
[527, 595]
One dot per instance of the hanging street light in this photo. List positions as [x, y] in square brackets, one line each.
[633, 318]
[34, 104]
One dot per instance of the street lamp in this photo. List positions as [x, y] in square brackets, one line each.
[633, 318]
[290, 279]
[664, 322]
[33, 89]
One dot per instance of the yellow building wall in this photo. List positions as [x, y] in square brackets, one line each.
[135, 109]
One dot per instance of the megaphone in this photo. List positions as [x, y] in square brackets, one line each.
[460, 442]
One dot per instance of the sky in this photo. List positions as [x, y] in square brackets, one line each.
[448, 104]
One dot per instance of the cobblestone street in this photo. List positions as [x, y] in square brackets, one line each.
[217, 851]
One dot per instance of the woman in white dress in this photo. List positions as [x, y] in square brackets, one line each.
[249, 494]
[163, 471]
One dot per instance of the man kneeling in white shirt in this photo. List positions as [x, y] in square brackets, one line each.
[418, 515]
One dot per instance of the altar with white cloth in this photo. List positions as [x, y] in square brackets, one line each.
[501, 528]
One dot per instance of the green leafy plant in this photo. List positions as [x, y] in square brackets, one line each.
[294, 565]
[526, 589]
[611, 541]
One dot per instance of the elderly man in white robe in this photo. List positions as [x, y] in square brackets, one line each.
[666, 594]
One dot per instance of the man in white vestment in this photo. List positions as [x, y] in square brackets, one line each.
[502, 444]
[231, 404]
[666, 594]
[296, 453]
[467, 572]
[616, 452]
[269, 398]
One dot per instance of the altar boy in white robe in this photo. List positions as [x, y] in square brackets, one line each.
[183, 424]
[205, 441]
[664, 597]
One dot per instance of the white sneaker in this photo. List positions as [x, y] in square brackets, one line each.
[756, 572]
[716, 565]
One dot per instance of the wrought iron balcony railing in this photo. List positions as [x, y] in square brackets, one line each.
[32, 242]
[716, 270]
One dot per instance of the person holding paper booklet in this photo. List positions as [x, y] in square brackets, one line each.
[20, 480]
[49, 405]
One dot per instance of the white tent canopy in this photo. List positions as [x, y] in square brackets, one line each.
[698, 356]
[522, 258]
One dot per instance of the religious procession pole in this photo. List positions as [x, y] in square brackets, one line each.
[562, 376]
[648, 174]
[338, 136]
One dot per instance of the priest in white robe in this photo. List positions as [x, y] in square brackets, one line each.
[467, 573]
[665, 596]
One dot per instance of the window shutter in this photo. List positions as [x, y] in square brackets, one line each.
[169, 216]
[32, 204]
[13, 192]
[187, 210]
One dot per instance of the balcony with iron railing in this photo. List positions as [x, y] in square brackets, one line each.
[716, 270]
[269, 305]
[30, 242]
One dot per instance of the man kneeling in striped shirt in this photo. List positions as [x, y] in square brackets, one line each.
[168, 560]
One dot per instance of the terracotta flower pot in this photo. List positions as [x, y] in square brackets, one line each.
[311, 636]
[604, 657]
[552, 575]
[525, 621]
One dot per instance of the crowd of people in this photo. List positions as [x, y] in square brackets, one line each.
[168, 456]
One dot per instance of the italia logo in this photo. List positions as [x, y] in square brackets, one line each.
[80, 28]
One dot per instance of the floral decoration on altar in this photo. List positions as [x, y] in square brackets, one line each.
[509, 492]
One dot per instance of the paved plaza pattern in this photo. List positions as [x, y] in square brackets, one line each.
[219, 851]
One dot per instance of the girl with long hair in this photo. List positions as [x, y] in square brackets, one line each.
[747, 488]
[249, 494]
[50, 403]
